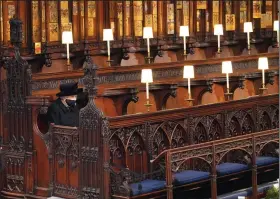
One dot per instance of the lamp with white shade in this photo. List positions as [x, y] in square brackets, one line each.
[227, 69]
[218, 30]
[263, 65]
[108, 36]
[184, 32]
[67, 38]
[276, 28]
[147, 77]
[241, 197]
[248, 27]
[148, 34]
[188, 74]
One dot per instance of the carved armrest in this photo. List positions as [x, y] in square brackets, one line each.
[121, 179]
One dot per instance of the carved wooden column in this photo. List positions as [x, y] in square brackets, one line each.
[19, 155]
[93, 138]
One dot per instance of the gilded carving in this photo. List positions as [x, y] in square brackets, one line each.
[230, 22]
[138, 10]
[90, 26]
[148, 20]
[138, 28]
[35, 21]
[75, 8]
[53, 15]
[201, 5]
[11, 10]
[53, 31]
[170, 19]
[91, 9]
[64, 15]
[257, 9]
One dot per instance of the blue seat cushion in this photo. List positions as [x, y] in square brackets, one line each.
[228, 168]
[190, 176]
[266, 160]
[147, 186]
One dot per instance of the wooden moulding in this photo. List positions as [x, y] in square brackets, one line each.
[161, 71]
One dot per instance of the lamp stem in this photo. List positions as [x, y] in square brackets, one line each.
[67, 46]
[277, 37]
[263, 78]
[189, 88]
[108, 46]
[147, 90]
[185, 48]
[248, 40]
[148, 47]
[219, 44]
[227, 83]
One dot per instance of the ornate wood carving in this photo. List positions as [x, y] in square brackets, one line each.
[93, 142]
[19, 154]
[158, 74]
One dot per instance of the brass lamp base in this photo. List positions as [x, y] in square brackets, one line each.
[109, 62]
[190, 101]
[69, 68]
[262, 90]
[148, 105]
[229, 96]
[149, 59]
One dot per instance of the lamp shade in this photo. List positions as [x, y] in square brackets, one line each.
[218, 29]
[276, 25]
[67, 37]
[226, 67]
[184, 31]
[108, 35]
[241, 197]
[188, 72]
[248, 27]
[263, 63]
[148, 32]
[147, 76]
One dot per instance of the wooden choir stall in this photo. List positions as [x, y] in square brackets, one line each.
[183, 99]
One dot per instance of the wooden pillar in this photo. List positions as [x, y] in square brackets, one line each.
[169, 185]
[214, 175]
[93, 142]
[254, 171]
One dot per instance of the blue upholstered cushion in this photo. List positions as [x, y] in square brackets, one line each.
[228, 168]
[266, 160]
[147, 186]
[190, 176]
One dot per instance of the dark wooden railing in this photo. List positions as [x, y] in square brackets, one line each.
[212, 154]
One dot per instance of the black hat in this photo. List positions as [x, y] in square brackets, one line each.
[69, 89]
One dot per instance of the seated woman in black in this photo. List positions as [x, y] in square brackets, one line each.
[64, 110]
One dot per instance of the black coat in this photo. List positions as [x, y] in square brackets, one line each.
[59, 114]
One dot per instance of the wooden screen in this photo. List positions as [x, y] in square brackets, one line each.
[45, 20]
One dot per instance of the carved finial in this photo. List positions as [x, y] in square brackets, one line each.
[16, 32]
[90, 77]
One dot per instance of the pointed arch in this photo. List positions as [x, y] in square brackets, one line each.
[179, 137]
[200, 134]
[136, 154]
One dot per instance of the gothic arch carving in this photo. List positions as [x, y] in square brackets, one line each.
[136, 153]
[117, 151]
[206, 128]
[239, 122]
[179, 137]
[264, 121]
[161, 142]
[247, 125]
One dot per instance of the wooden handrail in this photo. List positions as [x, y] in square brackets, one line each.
[178, 113]
[214, 143]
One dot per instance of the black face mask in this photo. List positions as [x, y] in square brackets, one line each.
[70, 102]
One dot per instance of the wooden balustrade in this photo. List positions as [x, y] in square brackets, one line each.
[212, 154]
